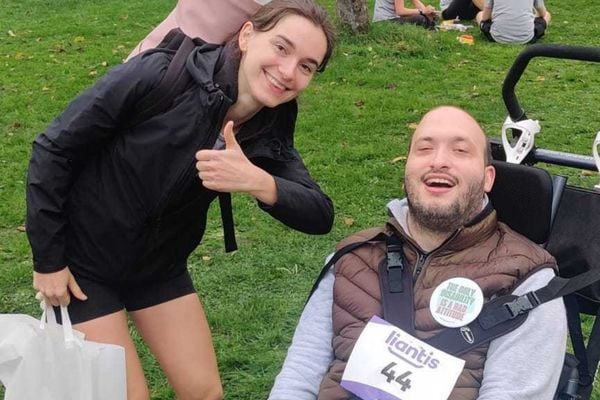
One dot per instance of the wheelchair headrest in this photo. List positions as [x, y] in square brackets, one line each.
[522, 196]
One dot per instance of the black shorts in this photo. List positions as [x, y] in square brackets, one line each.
[539, 29]
[104, 299]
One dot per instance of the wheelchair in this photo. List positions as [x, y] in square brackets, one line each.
[562, 218]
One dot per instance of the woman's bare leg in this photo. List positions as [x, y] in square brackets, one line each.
[113, 329]
[177, 333]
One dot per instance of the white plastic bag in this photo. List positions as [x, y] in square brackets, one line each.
[41, 360]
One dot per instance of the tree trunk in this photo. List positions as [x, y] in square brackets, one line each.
[354, 14]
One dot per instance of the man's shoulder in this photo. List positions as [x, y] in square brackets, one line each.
[516, 244]
[362, 236]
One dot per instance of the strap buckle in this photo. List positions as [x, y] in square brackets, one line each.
[394, 256]
[522, 304]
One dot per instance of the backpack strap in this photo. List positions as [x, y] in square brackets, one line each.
[173, 82]
[227, 220]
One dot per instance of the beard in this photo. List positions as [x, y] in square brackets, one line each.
[447, 218]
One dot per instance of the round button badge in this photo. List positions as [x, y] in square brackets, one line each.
[456, 302]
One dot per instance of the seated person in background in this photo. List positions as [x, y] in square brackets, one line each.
[448, 229]
[395, 10]
[214, 21]
[513, 21]
[461, 9]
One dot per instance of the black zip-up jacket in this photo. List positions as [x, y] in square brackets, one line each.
[120, 203]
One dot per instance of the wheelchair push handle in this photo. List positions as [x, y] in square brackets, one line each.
[581, 53]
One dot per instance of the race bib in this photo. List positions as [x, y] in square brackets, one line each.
[389, 364]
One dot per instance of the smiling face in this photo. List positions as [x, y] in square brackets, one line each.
[278, 64]
[446, 173]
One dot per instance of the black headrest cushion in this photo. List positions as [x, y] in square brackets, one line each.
[522, 197]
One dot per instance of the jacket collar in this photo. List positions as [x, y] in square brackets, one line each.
[478, 229]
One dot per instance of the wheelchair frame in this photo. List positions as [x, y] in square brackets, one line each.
[520, 148]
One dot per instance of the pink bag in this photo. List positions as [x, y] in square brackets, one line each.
[213, 21]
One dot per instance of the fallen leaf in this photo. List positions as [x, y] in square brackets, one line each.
[359, 104]
[19, 56]
[412, 125]
[206, 258]
[540, 78]
[93, 72]
[78, 39]
[348, 221]
[399, 158]
[45, 89]
[21, 228]
[391, 86]
[11, 33]
[15, 125]
[588, 173]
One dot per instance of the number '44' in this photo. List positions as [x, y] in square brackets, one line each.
[402, 379]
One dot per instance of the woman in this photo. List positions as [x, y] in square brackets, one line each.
[114, 210]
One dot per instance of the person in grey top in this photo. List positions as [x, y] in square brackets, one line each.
[513, 21]
[395, 10]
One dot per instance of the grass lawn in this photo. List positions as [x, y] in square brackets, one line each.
[352, 131]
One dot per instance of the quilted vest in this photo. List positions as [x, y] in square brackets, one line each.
[488, 252]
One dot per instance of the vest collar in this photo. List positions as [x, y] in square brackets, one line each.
[478, 229]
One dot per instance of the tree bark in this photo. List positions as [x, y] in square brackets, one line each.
[354, 14]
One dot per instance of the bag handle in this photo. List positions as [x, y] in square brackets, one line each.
[49, 318]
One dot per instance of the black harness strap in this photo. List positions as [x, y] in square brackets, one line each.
[505, 313]
[395, 281]
[339, 254]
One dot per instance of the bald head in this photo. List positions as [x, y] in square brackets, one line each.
[453, 118]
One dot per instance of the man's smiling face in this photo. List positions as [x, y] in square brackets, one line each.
[446, 173]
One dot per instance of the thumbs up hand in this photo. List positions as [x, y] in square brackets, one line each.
[229, 170]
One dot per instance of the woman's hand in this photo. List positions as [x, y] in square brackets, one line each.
[430, 12]
[55, 287]
[229, 170]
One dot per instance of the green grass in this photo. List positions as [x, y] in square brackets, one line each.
[354, 122]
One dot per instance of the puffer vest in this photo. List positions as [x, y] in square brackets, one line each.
[487, 251]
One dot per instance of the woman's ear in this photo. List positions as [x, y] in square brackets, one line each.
[245, 34]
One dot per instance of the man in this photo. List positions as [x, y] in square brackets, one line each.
[214, 21]
[448, 229]
[513, 21]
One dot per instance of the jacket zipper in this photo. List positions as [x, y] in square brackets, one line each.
[424, 257]
[419, 265]
[189, 170]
